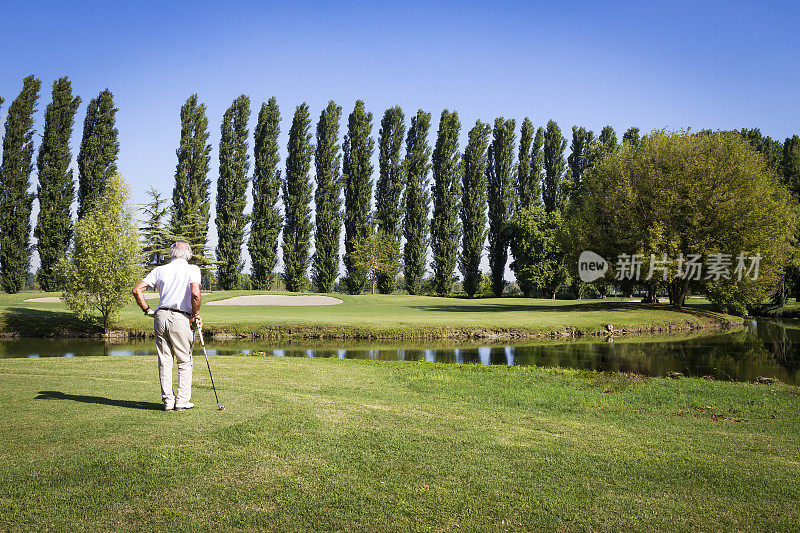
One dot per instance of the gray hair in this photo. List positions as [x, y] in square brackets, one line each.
[180, 250]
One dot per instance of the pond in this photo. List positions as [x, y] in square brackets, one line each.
[767, 348]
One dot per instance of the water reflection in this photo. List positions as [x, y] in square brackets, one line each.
[762, 348]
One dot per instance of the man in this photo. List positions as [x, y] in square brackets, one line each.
[178, 285]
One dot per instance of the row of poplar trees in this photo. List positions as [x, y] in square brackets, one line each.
[55, 192]
[473, 194]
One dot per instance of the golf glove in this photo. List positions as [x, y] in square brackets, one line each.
[149, 312]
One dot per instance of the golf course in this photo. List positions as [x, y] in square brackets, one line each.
[332, 445]
[374, 316]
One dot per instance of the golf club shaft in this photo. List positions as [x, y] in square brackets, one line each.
[203, 344]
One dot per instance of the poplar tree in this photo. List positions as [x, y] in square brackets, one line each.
[608, 139]
[537, 167]
[97, 157]
[327, 161]
[234, 164]
[357, 175]
[56, 187]
[388, 193]
[554, 146]
[632, 136]
[579, 156]
[416, 201]
[190, 196]
[445, 227]
[266, 219]
[15, 200]
[473, 207]
[296, 200]
[525, 187]
[500, 182]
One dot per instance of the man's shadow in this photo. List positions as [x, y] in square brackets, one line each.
[56, 395]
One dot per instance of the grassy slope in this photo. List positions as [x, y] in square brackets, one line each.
[324, 444]
[379, 316]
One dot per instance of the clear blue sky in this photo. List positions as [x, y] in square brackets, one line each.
[718, 65]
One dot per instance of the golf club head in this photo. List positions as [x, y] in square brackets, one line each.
[220, 408]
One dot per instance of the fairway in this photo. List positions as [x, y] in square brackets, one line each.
[378, 316]
[325, 444]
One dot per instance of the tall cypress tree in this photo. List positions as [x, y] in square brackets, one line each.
[357, 175]
[191, 200]
[234, 164]
[296, 200]
[417, 201]
[445, 227]
[266, 220]
[473, 207]
[56, 187]
[388, 210]
[97, 157]
[15, 200]
[327, 160]
[500, 183]
[554, 164]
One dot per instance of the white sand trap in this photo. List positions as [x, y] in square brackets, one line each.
[57, 299]
[278, 299]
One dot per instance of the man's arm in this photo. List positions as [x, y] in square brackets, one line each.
[138, 294]
[196, 298]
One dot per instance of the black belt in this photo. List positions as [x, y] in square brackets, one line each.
[175, 310]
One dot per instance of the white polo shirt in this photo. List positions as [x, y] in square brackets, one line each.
[173, 283]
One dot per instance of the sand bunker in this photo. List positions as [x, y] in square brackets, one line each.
[278, 299]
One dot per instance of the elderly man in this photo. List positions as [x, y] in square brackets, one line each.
[178, 285]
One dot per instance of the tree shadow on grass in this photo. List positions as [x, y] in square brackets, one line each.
[99, 400]
[568, 306]
[27, 322]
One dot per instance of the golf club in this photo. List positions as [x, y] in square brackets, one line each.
[203, 344]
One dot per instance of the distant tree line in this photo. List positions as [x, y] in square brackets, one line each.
[500, 195]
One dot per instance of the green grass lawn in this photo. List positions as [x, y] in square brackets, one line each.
[371, 316]
[325, 444]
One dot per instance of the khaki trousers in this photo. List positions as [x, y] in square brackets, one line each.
[174, 338]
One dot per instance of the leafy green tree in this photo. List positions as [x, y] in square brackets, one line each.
[473, 207]
[554, 165]
[106, 261]
[266, 219]
[234, 164]
[377, 254]
[357, 175]
[445, 227]
[296, 200]
[56, 188]
[608, 138]
[15, 200]
[191, 200]
[537, 250]
[327, 161]
[701, 194]
[529, 166]
[97, 157]
[389, 190]
[156, 238]
[632, 136]
[417, 201]
[500, 182]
